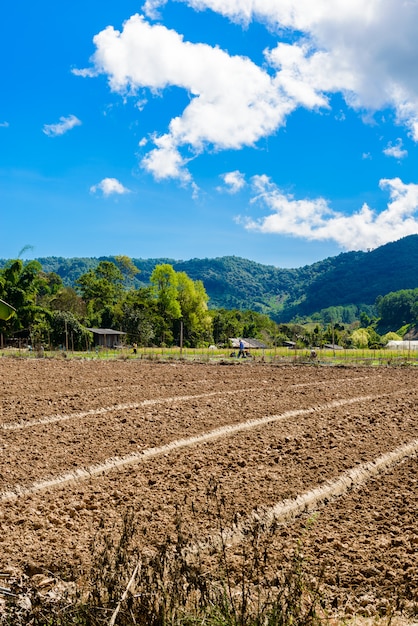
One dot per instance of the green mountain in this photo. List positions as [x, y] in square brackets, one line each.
[352, 278]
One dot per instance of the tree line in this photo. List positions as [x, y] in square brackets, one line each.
[172, 309]
[349, 282]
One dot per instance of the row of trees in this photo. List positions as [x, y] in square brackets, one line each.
[48, 311]
[171, 310]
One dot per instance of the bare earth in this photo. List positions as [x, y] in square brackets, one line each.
[81, 441]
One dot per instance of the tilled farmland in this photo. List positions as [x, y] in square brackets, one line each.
[326, 456]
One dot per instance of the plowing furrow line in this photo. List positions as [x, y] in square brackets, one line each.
[286, 511]
[149, 453]
[62, 417]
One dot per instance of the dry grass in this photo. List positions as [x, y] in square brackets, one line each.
[171, 586]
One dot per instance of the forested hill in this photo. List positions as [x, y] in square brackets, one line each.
[232, 282]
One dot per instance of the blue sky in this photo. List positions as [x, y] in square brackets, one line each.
[282, 131]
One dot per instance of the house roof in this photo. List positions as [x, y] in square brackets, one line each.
[248, 343]
[105, 331]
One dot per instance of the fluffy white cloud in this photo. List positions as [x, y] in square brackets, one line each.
[395, 150]
[233, 182]
[4, 124]
[165, 161]
[315, 220]
[87, 72]
[365, 51]
[151, 8]
[109, 186]
[63, 126]
[233, 101]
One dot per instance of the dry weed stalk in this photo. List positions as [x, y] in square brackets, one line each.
[174, 586]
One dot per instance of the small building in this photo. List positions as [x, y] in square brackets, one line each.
[289, 344]
[249, 344]
[106, 337]
[402, 345]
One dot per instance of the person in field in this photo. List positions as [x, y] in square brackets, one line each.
[241, 352]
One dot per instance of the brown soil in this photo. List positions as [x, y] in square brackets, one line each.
[82, 441]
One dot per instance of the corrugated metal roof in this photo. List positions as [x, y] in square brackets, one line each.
[105, 331]
[248, 343]
[405, 345]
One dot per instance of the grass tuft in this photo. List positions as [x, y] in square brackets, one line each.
[175, 584]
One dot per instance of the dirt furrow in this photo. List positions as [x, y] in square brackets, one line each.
[52, 418]
[90, 440]
[286, 510]
[323, 458]
[135, 458]
[41, 402]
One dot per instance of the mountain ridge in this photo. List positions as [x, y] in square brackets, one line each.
[351, 278]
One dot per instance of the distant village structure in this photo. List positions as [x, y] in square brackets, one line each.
[249, 344]
[106, 337]
[402, 345]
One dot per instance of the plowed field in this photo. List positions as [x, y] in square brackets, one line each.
[81, 441]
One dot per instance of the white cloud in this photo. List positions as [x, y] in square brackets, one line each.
[4, 124]
[109, 186]
[315, 220]
[63, 126]
[140, 105]
[195, 191]
[86, 72]
[365, 51]
[233, 181]
[395, 150]
[165, 161]
[233, 101]
[151, 8]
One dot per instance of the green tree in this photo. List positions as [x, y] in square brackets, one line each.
[193, 299]
[67, 299]
[181, 307]
[252, 324]
[164, 283]
[39, 332]
[101, 288]
[127, 268]
[364, 320]
[360, 338]
[66, 331]
[398, 308]
[375, 340]
[164, 280]
[226, 324]
[390, 336]
[19, 287]
[137, 315]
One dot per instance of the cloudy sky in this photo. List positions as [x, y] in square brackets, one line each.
[282, 131]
